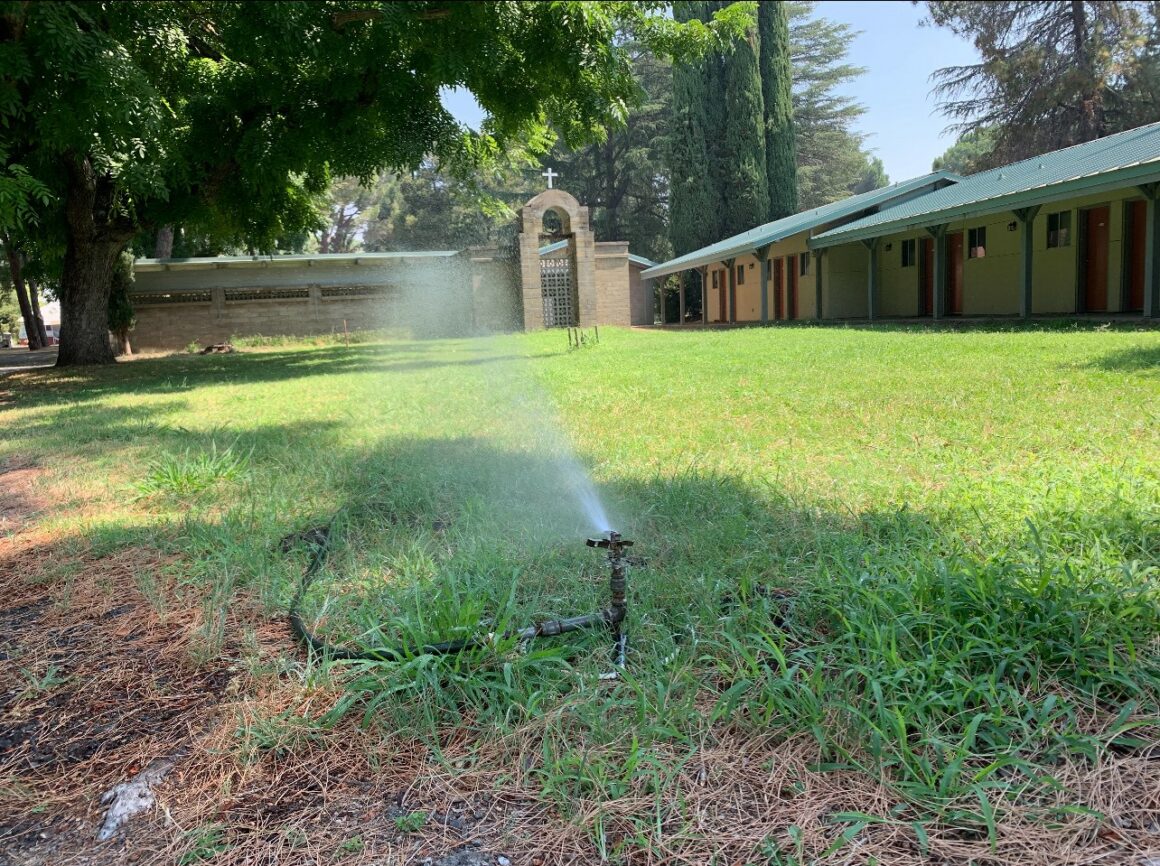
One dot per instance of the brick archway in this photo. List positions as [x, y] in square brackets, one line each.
[543, 305]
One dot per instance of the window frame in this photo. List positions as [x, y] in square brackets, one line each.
[1062, 216]
[909, 252]
[803, 264]
[741, 275]
[974, 236]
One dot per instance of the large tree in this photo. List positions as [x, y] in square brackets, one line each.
[1046, 73]
[777, 94]
[624, 180]
[233, 116]
[694, 209]
[831, 158]
[744, 184]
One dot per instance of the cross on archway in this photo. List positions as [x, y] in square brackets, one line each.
[550, 175]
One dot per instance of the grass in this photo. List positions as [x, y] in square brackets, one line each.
[925, 559]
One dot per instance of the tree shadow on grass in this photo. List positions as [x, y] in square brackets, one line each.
[1138, 359]
[996, 325]
[720, 566]
[177, 373]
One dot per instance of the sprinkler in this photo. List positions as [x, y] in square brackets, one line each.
[613, 616]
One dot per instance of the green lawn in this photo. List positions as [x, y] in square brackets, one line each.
[895, 596]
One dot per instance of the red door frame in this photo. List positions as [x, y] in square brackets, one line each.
[1096, 237]
[778, 286]
[955, 273]
[926, 279]
[791, 284]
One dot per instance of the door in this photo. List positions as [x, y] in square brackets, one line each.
[778, 284]
[1095, 260]
[791, 281]
[955, 274]
[1137, 225]
[926, 279]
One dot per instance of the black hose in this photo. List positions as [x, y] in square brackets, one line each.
[318, 540]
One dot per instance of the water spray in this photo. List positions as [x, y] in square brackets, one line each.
[612, 617]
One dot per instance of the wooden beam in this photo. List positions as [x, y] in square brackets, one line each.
[818, 283]
[871, 245]
[1026, 217]
[1151, 252]
[762, 263]
[731, 279]
[939, 234]
[704, 272]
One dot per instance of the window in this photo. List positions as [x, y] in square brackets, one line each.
[908, 253]
[977, 242]
[715, 278]
[740, 274]
[1059, 229]
[804, 264]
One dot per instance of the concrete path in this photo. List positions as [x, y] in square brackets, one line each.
[22, 359]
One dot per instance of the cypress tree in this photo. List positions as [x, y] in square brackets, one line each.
[777, 93]
[694, 206]
[744, 187]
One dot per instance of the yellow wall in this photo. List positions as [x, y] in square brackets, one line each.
[991, 284]
[844, 281]
[749, 292]
[898, 287]
[748, 297]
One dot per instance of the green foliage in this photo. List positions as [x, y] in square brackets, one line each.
[122, 318]
[230, 118]
[961, 606]
[694, 212]
[412, 822]
[777, 93]
[624, 180]
[873, 177]
[189, 473]
[1048, 72]
[203, 843]
[744, 186]
[831, 160]
[972, 152]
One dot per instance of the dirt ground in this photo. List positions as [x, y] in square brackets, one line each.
[101, 681]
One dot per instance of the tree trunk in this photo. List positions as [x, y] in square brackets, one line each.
[96, 236]
[163, 248]
[34, 302]
[1091, 107]
[16, 265]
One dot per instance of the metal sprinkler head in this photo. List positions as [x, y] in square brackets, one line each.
[614, 544]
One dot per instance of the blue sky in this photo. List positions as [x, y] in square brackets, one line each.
[902, 124]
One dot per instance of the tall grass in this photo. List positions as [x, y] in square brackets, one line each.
[933, 554]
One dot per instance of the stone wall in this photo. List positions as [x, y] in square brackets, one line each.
[212, 300]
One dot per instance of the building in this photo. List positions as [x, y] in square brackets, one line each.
[561, 277]
[1069, 232]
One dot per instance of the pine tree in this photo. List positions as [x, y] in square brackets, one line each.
[831, 160]
[745, 189]
[1048, 70]
[694, 210]
[777, 93]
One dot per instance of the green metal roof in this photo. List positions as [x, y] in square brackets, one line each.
[559, 245]
[752, 240]
[1120, 160]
